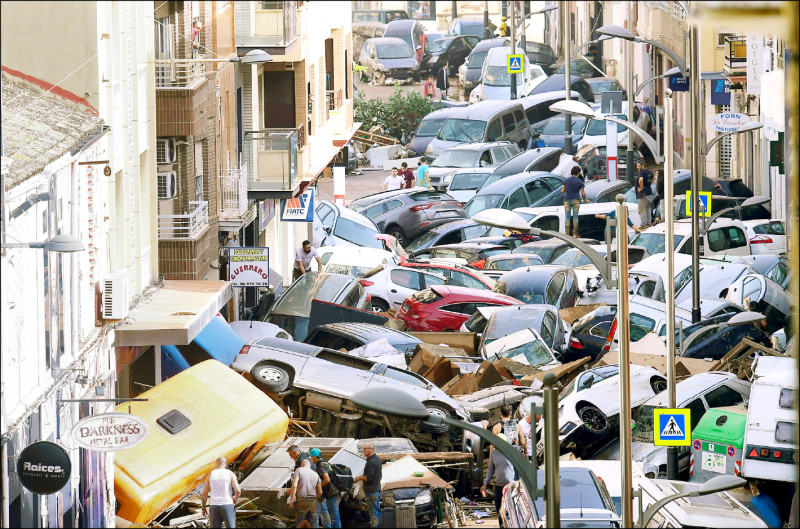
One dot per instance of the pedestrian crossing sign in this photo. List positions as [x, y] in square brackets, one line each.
[515, 64]
[672, 427]
[705, 203]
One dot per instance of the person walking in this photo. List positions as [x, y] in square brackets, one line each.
[224, 490]
[442, 82]
[525, 430]
[393, 182]
[373, 472]
[407, 174]
[303, 259]
[644, 194]
[422, 179]
[328, 515]
[429, 89]
[573, 188]
[306, 488]
[503, 472]
[508, 427]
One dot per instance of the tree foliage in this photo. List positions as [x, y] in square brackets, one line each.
[398, 114]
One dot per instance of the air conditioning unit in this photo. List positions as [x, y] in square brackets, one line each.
[115, 296]
[165, 151]
[167, 184]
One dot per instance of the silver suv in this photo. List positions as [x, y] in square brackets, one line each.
[469, 155]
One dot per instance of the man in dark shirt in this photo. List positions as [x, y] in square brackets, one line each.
[407, 174]
[644, 194]
[573, 188]
[298, 456]
[373, 472]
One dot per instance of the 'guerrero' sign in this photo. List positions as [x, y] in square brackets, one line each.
[729, 121]
[248, 267]
[43, 467]
[107, 432]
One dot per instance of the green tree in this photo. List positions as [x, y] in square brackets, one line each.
[397, 114]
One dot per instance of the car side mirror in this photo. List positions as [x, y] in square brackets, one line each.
[589, 381]
[483, 163]
[327, 229]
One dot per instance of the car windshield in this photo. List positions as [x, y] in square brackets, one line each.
[297, 299]
[348, 270]
[537, 47]
[456, 158]
[430, 127]
[578, 491]
[494, 177]
[476, 59]
[356, 233]
[438, 46]
[394, 51]
[476, 322]
[654, 242]
[643, 430]
[499, 76]
[481, 202]
[512, 263]
[462, 130]
[555, 126]
[506, 322]
[521, 290]
[572, 258]
[467, 181]
[423, 241]
[522, 346]
[597, 127]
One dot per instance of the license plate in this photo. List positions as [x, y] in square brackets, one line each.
[714, 462]
[448, 213]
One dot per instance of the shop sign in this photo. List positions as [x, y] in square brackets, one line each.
[248, 267]
[299, 208]
[108, 432]
[44, 467]
[729, 121]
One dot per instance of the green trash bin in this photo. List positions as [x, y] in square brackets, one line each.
[717, 442]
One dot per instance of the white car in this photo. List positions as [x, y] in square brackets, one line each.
[338, 226]
[525, 346]
[724, 237]
[464, 183]
[766, 236]
[496, 81]
[588, 408]
[595, 134]
[391, 285]
[352, 261]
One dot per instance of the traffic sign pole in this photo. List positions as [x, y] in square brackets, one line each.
[513, 49]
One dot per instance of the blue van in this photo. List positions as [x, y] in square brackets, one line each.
[217, 340]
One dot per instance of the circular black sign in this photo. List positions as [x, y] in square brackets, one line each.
[44, 467]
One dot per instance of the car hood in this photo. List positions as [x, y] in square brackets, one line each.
[441, 171]
[405, 62]
[438, 146]
[473, 75]
[500, 93]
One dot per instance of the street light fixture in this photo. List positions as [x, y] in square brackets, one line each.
[747, 127]
[669, 73]
[713, 485]
[621, 33]
[59, 243]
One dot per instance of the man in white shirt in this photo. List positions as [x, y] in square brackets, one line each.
[306, 488]
[224, 489]
[393, 181]
[302, 260]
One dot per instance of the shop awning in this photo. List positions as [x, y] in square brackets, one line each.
[175, 314]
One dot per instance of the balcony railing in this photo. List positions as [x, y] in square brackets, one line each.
[232, 185]
[275, 153]
[185, 73]
[334, 98]
[187, 226]
[276, 22]
[735, 52]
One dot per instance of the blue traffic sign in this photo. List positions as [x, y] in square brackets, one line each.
[705, 203]
[672, 427]
[515, 64]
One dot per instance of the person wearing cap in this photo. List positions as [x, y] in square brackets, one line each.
[327, 507]
[503, 472]
[503, 27]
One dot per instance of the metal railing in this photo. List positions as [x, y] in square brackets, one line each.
[275, 152]
[301, 136]
[185, 73]
[334, 99]
[232, 185]
[187, 226]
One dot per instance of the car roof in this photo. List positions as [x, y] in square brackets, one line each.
[400, 24]
[517, 163]
[387, 40]
[460, 223]
[538, 276]
[776, 370]
[477, 146]
[684, 226]
[555, 82]
[554, 95]
[484, 110]
[490, 43]
[447, 290]
[497, 55]
[481, 170]
[441, 113]
[691, 387]
[369, 331]
[469, 245]
[506, 184]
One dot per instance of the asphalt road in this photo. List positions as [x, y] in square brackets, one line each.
[384, 91]
[356, 186]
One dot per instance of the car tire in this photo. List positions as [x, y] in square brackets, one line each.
[378, 305]
[658, 385]
[438, 428]
[270, 377]
[593, 419]
[398, 233]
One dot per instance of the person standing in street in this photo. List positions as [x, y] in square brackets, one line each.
[525, 431]
[331, 496]
[573, 188]
[224, 490]
[644, 194]
[613, 215]
[508, 427]
[393, 182]
[306, 488]
[503, 472]
[373, 472]
[442, 82]
[503, 27]
[407, 174]
[303, 260]
[422, 173]
[429, 89]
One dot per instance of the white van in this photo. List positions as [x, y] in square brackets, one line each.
[769, 442]
[724, 237]
[551, 218]
[496, 81]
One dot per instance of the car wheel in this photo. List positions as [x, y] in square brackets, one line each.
[593, 419]
[272, 378]
[378, 305]
[435, 428]
[658, 385]
[398, 233]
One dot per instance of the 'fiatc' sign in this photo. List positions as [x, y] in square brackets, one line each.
[248, 267]
[299, 208]
[108, 432]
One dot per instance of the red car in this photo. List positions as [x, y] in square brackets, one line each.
[445, 308]
[457, 275]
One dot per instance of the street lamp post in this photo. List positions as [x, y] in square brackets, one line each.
[695, 107]
[717, 484]
[564, 30]
[513, 49]
[629, 83]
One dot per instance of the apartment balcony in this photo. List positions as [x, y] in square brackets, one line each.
[179, 75]
[181, 98]
[735, 54]
[232, 195]
[274, 25]
[186, 226]
[277, 173]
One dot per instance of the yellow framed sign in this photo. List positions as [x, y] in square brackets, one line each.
[515, 64]
[672, 427]
[705, 203]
